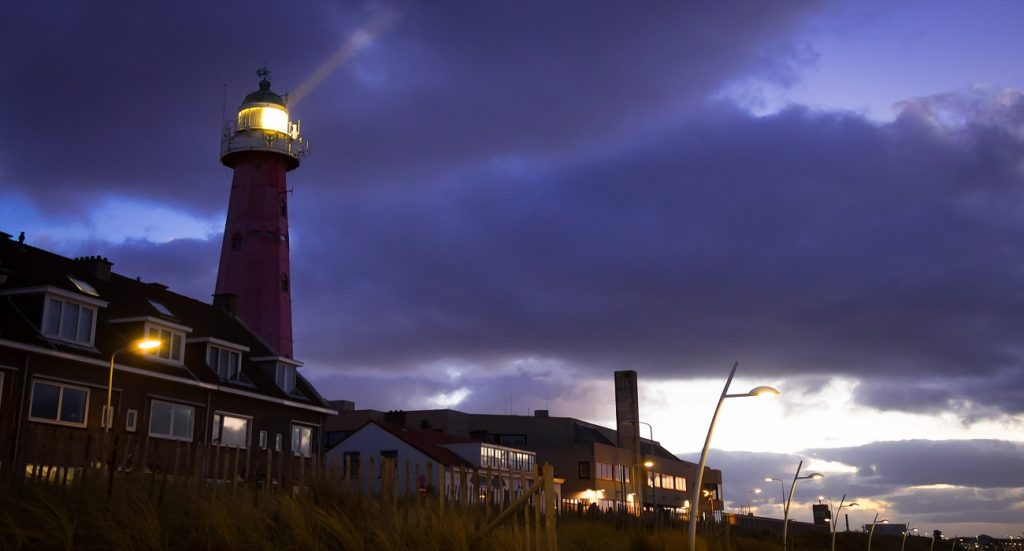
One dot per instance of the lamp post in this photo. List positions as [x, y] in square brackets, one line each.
[792, 490]
[905, 534]
[141, 345]
[754, 491]
[871, 532]
[782, 489]
[695, 502]
[835, 517]
[648, 464]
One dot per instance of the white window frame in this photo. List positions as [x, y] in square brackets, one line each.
[212, 349]
[60, 404]
[248, 427]
[278, 442]
[263, 439]
[131, 420]
[312, 432]
[64, 302]
[284, 377]
[172, 332]
[171, 435]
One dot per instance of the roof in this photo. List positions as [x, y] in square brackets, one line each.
[31, 271]
[430, 443]
[264, 95]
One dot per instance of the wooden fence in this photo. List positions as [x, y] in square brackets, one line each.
[91, 461]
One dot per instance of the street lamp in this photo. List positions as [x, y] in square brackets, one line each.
[835, 517]
[138, 346]
[792, 490]
[905, 534]
[782, 489]
[871, 532]
[648, 463]
[754, 491]
[695, 502]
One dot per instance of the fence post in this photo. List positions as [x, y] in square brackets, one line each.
[549, 507]
[234, 469]
[489, 493]
[177, 462]
[407, 480]
[268, 469]
[441, 486]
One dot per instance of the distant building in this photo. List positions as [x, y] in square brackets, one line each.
[421, 456]
[822, 514]
[591, 459]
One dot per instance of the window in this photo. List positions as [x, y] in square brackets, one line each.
[285, 377]
[230, 430]
[352, 460]
[584, 468]
[225, 362]
[68, 321]
[302, 440]
[387, 455]
[170, 343]
[171, 421]
[59, 403]
[131, 419]
[160, 308]
[604, 470]
[84, 286]
[278, 442]
[263, 439]
[284, 283]
[236, 241]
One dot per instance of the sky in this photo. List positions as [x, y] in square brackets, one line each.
[507, 201]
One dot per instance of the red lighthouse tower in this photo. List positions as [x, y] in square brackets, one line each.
[253, 278]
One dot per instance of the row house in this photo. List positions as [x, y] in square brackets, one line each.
[68, 334]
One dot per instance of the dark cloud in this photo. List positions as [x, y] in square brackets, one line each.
[804, 242]
[538, 180]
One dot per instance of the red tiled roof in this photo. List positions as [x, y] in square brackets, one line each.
[428, 442]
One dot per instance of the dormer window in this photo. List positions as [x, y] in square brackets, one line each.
[84, 286]
[160, 308]
[227, 363]
[171, 343]
[285, 377]
[70, 321]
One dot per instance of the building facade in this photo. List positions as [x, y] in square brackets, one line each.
[594, 467]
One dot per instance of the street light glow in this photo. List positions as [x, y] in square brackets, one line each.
[764, 391]
[148, 344]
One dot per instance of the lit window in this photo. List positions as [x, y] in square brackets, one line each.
[227, 363]
[171, 343]
[302, 440]
[68, 321]
[59, 403]
[230, 430]
[161, 308]
[171, 421]
[84, 287]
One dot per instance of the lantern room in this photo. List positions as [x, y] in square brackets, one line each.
[263, 125]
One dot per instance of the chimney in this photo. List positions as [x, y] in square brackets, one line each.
[345, 405]
[96, 266]
[226, 302]
[540, 413]
[627, 412]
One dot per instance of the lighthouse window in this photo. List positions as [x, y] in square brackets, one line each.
[284, 283]
[236, 241]
[284, 208]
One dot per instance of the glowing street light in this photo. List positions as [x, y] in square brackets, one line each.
[754, 491]
[905, 534]
[871, 532]
[792, 490]
[835, 517]
[695, 501]
[137, 346]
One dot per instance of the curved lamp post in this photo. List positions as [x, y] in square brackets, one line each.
[754, 491]
[835, 517]
[905, 534]
[871, 532]
[695, 501]
[648, 463]
[782, 488]
[137, 346]
[792, 490]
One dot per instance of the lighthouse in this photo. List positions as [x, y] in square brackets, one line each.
[253, 279]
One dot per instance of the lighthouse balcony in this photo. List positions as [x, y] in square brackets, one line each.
[236, 142]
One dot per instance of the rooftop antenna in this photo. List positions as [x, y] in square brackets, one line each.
[263, 73]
